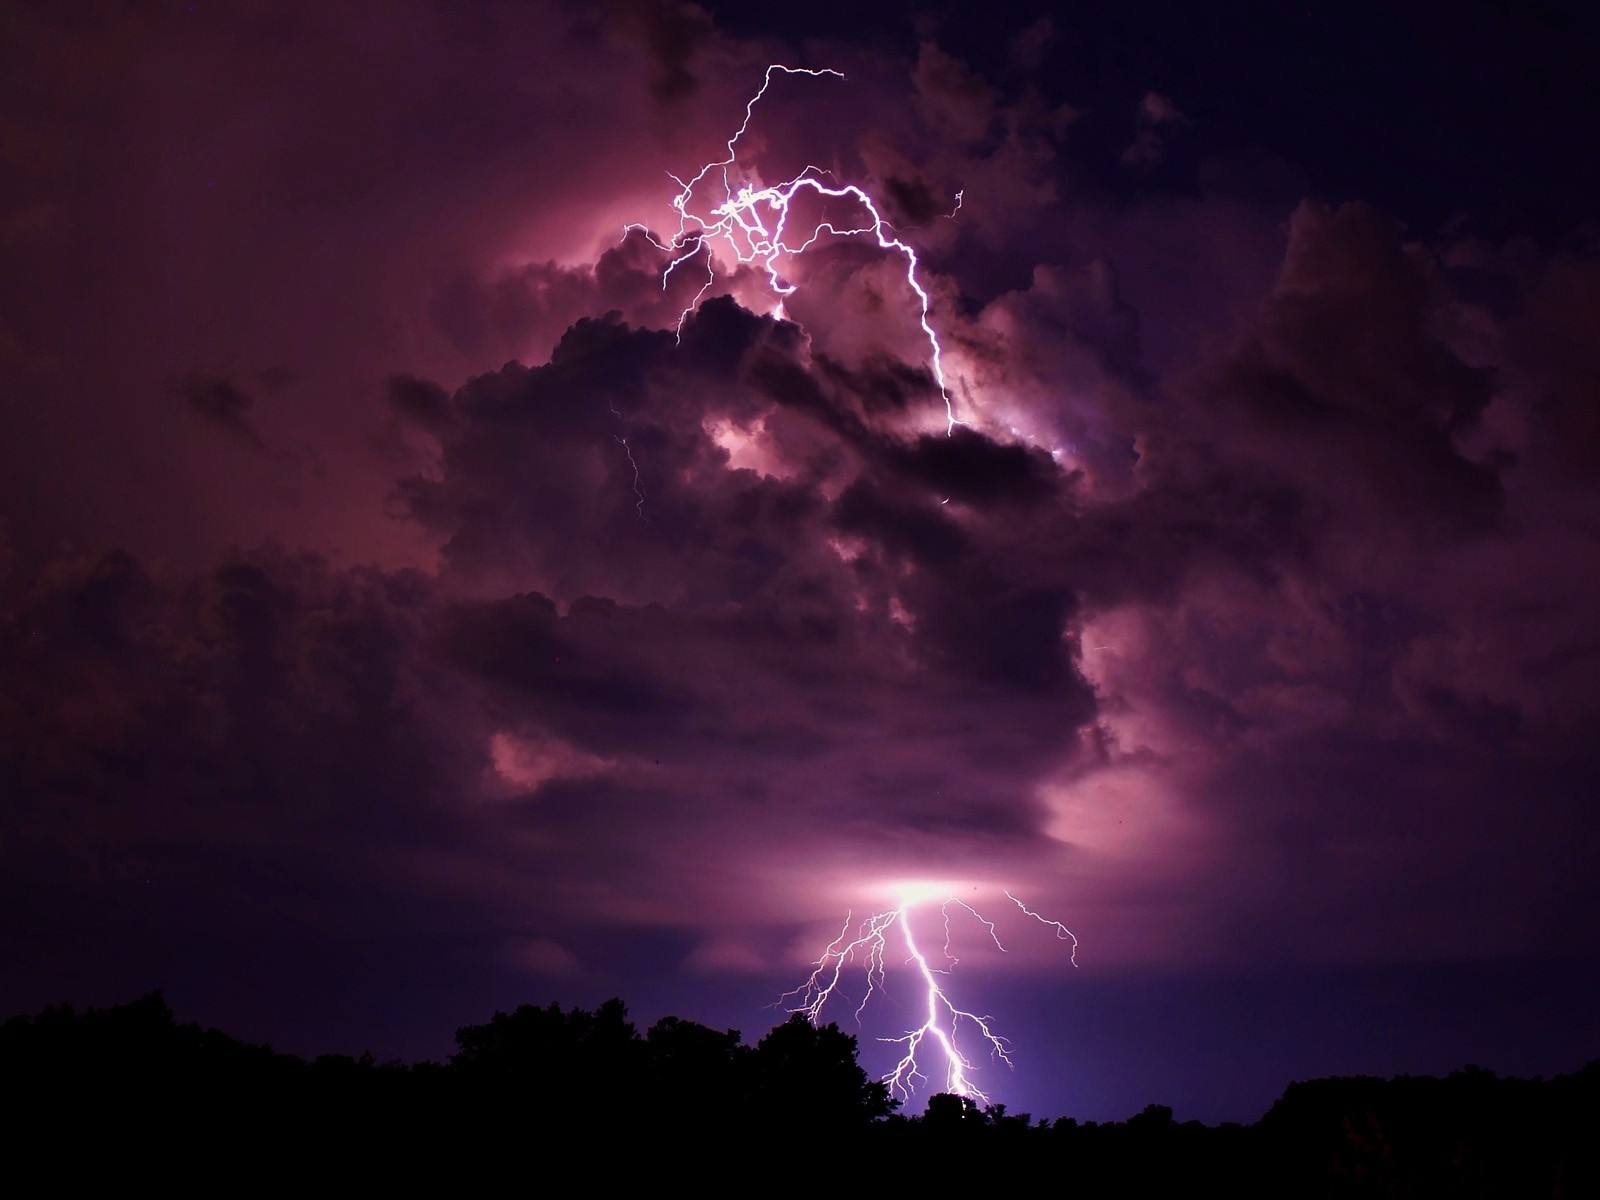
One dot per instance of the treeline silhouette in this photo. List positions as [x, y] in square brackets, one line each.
[547, 1093]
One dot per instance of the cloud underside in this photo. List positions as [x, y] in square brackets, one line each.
[726, 632]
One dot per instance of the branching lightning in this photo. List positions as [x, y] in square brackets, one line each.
[868, 944]
[1063, 934]
[752, 222]
[723, 209]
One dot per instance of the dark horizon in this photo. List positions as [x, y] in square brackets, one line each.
[1314, 1025]
[119, 1045]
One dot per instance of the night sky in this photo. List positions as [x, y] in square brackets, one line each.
[403, 618]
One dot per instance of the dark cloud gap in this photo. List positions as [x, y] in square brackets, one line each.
[917, 532]
[968, 466]
[1512, 81]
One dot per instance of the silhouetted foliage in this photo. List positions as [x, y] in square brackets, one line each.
[692, 1072]
[129, 1089]
[946, 1113]
[559, 1067]
[807, 1074]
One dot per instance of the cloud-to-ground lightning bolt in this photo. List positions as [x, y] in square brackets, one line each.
[752, 221]
[868, 944]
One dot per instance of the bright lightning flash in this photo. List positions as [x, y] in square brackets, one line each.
[869, 945]
[753, 222]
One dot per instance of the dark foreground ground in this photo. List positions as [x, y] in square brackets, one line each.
[543, 1099]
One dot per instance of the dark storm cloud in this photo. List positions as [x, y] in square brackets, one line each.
[730, 662]
[516, 643]
[559, 429]
[197, 769]
[273, 682]
[1344, 397]
[1338, 401]
[1552, 336]
[1158, 120]
[672, 33]
[783, 380]
[275, 379]
[422, 401]
[731, 535]
[913, 202]
[225, 405]
[1321, 558]
[881, 385]
[1222, 571]
[717, 526]
[508, 313]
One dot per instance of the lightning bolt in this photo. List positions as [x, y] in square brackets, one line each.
[868, 944]
[638, 482]
[752, 223]
[1063, 934]
[638, 486]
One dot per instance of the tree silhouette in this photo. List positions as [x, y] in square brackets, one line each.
[148, 1095]
[568, 1066]
[694, 1073]
[807, 1074]
[948, 1112]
